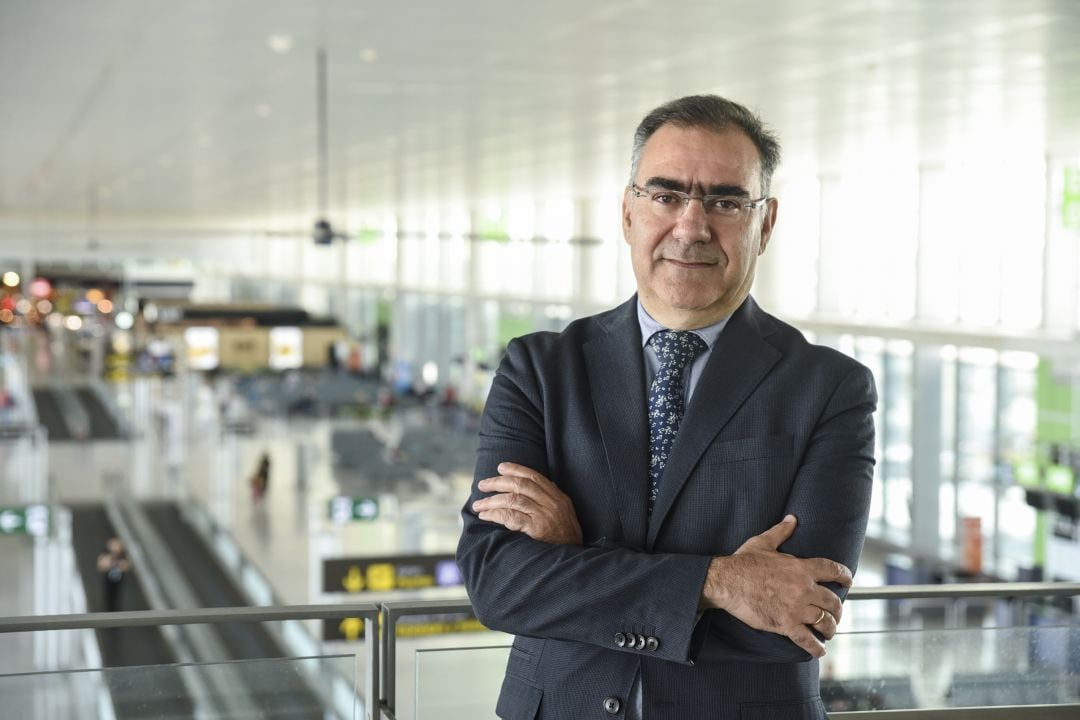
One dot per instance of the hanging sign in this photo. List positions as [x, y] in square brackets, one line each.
[387, 573]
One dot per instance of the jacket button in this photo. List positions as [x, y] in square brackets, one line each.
[612, 706]
[620, 640]
[639, 643]
[651, 644]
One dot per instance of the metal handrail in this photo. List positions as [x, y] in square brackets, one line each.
[193, 616]
[197, 616]
[955, 591]
[1000, 712]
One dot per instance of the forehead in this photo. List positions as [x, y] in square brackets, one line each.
[700, 156]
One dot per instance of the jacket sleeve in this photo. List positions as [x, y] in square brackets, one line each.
[830, 496]
[584, 594]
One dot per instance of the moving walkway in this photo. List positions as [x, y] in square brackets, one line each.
[50, 415]
[76, 412]
[126, 646]
[173, 568]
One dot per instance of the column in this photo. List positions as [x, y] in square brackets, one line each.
[926, 451]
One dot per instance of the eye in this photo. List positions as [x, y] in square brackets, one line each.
[724, 204]
[665, 198]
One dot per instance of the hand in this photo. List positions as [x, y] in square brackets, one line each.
[776, 592]
[528, 502]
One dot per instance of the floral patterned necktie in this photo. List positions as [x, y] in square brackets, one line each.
[676, 350]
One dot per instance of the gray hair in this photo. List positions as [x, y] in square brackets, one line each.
[711, 112]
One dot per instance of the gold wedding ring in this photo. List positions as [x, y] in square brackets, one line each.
[820, 617]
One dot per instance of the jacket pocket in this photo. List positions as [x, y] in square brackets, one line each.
[811, 709]
[727, 451]
[524, 657]
[518, 700]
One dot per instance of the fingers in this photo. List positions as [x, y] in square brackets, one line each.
[508, 518]
[801, 636]
[825, 570]
[775, 536]
[521, 480]
[519, 502]
[825, 626]
[524, 500]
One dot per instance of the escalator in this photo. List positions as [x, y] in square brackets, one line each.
[103, 425]
[131, 646]
[283, 696]
[50, 415]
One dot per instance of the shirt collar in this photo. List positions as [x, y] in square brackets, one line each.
[649, 327]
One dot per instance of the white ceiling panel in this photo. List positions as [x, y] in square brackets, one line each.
[181, 113]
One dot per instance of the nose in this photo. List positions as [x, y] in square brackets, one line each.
[692, 225]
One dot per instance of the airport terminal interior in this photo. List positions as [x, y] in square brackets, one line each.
[260, 261]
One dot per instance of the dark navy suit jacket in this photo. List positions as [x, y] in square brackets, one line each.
[775, 425]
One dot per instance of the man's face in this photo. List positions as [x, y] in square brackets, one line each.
[694, 269]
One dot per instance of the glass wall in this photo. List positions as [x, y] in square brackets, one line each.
[880, 253]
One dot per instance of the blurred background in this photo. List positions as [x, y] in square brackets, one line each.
[307, 231]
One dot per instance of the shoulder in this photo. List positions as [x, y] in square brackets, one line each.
[813, 359]
[543, 349]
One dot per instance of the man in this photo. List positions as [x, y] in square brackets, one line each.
[636, 481]
[113, 564]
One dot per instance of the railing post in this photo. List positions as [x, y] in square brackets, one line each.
[371, 645]
[389, 651]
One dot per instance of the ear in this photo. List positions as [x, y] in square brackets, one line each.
[626, 214]
[768, 222]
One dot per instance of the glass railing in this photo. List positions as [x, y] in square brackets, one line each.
[443, 673]
[904, 670]
[969, 667]
[1030, 669]
[1026, 670]
[299, 688]
[343, 686]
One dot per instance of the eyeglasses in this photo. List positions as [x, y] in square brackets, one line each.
[671, 203]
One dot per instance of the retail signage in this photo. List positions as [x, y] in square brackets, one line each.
[387, 573]
[345, 509]
[286, 348]
[408, 626]
[202, 347]
[24, 520]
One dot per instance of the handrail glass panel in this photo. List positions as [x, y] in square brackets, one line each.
[293, 688]
[973, 667]
[458, 683]
[887, 670]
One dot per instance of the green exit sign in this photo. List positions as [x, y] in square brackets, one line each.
[24, 520]
[345, 509]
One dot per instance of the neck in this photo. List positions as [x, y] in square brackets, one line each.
[686, 318]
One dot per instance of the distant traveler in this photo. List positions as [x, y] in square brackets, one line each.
[260, 481]
[671, 496]
[113, 564]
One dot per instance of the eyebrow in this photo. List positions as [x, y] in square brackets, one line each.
[670, 184]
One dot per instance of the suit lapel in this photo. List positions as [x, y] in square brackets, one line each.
[613, 361]
[739, 362]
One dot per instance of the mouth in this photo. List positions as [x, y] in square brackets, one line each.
[689, 264]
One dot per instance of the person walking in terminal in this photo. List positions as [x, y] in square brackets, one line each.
[671, 496]
[113, 564]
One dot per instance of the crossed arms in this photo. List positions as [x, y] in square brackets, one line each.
[529, 570]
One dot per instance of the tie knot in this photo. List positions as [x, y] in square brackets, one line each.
[676, 348]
